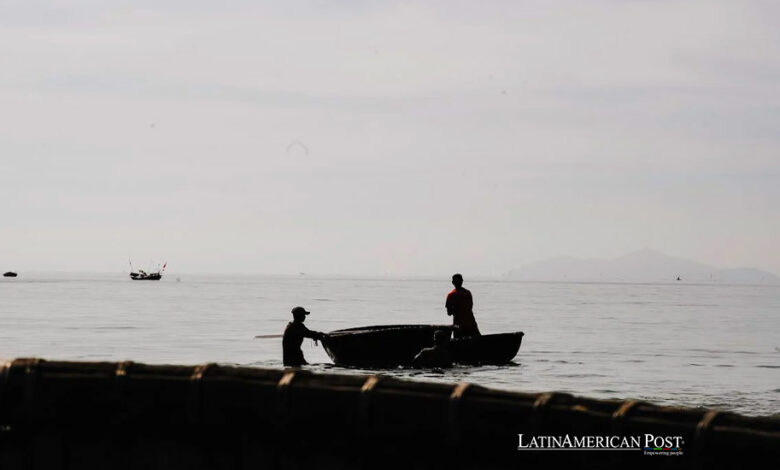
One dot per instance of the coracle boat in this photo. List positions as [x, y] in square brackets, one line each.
[397, 345]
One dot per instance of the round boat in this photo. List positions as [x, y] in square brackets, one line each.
[385, 346]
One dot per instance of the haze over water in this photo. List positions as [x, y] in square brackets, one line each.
[683, 344]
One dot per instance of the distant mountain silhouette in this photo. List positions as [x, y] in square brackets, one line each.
[639, 266]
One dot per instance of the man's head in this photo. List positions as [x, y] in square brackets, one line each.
[441, 337]
[457, 280]
[299, 314]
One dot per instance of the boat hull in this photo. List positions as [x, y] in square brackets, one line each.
[379, 346]
[9, 274]
[486, 349]
[145, 277]
[397, 345]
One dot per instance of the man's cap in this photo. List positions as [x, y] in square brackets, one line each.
[299, 310]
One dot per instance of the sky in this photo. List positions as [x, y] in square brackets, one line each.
[386, 138]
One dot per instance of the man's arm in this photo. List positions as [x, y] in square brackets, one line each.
[307, 333]
[421, 359]
[448, 304]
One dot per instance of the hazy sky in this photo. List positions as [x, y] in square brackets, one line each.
[442, 136]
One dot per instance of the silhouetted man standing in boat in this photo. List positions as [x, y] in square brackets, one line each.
[293, 338]
[459, 304]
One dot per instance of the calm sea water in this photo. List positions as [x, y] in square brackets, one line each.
[694, 345]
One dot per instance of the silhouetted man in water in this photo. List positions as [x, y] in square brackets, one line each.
[459, 304]
[293, 338]
[437, 356]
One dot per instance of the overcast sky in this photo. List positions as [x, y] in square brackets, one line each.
[389, 138]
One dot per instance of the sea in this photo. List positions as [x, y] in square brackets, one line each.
[694, 345]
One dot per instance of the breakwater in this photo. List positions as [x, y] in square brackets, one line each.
[129, 415]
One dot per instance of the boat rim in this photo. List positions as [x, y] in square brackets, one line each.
[383, 328]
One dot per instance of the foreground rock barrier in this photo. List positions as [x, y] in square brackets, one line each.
[125, 415]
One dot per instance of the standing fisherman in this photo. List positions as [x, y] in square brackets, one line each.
[459, 304]
[293, 338]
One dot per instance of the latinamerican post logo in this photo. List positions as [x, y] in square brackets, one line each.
[649, 444]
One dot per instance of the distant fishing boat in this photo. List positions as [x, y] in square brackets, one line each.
[142, 275]
[10, 274]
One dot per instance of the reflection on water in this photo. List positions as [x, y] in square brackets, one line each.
[693, 345]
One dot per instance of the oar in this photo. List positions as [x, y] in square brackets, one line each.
[268, 336]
